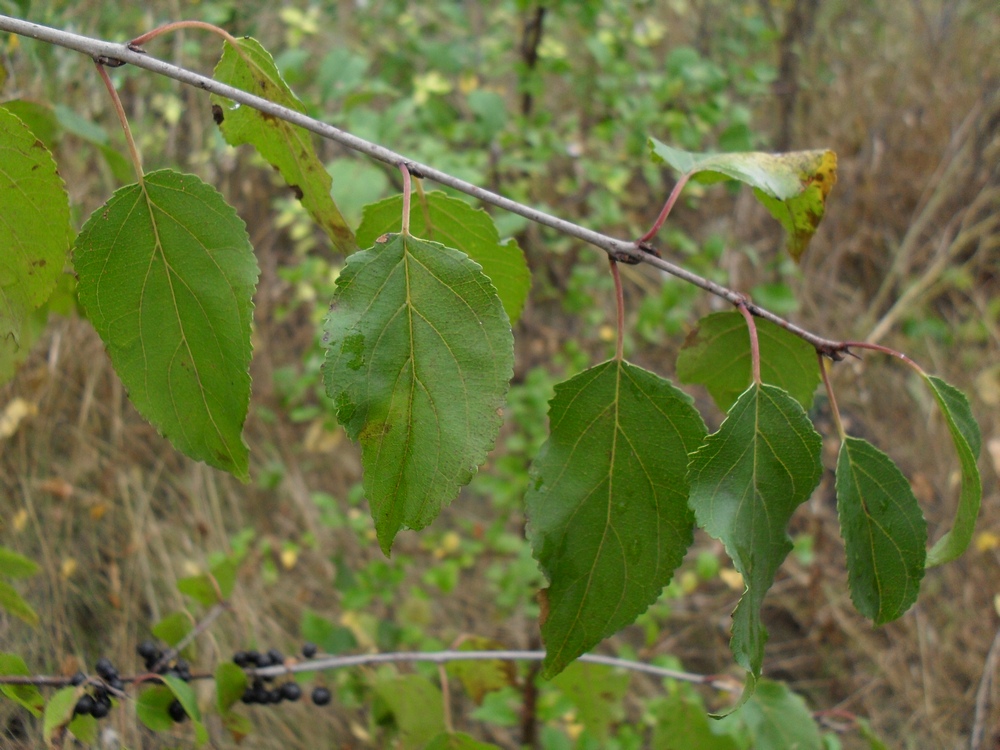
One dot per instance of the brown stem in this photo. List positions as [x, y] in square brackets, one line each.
[754, 343]
[132, 150]
[847, 345]
[619, 309]
[824, 371]
[407, 191]
[667, 207]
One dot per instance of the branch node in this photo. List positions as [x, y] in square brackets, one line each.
[648, 249]
[108, 62]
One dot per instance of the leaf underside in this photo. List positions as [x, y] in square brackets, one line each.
[166, 275]
[286, 147]
[793, 186]
[746, 481]
[608, 518]
[716, 355]
[419, 360]
[967, 439]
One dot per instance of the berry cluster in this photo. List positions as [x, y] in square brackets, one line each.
[152, 655]
[260, 693]
[96, 701]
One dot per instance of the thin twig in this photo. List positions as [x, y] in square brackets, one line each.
[110, 53]
[325, 663]
[200, 627]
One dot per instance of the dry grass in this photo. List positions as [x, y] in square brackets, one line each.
[115, 516]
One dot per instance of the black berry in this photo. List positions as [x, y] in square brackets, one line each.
[116, 684]
[321, 696]
[100, 709]
[177, 712]
[85, 705]
[309, 650]
[105, 668]
[255, 657]
[148, 650]
[78, 679]
[276, 656]
[291, 691]
[242, 659]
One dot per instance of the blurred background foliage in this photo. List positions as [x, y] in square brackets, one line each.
[549, 103]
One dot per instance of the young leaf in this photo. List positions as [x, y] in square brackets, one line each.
[420, 355]
[328, 637]
[966, 437]
[746, 481]
[173, 628]
[884, 531]
[597, 692]
[792, 186]
[608, 518]
[185, 694]
[58, 714]
[230, 684]
[716, 355]
[417, 708]
[151, 708]
[286, 147]
[166, 275]
[778, 719]
[26, 695]
[453, 222]
[15, 565]
[12, 601]
[34, 228]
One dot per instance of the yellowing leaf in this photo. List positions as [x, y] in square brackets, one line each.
[286, 147]
[792, 186]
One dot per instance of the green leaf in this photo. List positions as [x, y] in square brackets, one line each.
[968, 442]
[884, 531]
[58, 714]
[230, 684]
[151, 708]
[716, 355]
[417, 708]
[778, 719]
[40, 119]
[683, 725]
[15, 565]
[286, 147]
[746, 481]
[212, 587]
[453, 222]
[608, 517]
[597, 692]
[457, 741]
[484, 676]
[84, 728]
[328, 637]
[11, 601]
[26, 695]
[420, 355]
[792, 186]
[34, 228]
[173, 628]
[866, 731]
[185, 694]
[166, 275]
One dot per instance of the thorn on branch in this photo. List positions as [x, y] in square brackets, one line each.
[648, 249]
